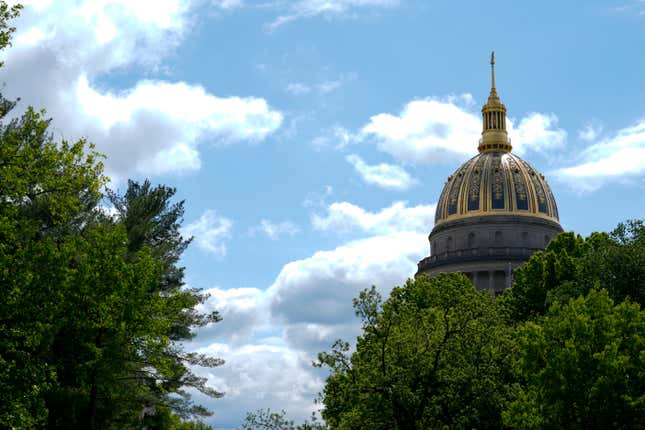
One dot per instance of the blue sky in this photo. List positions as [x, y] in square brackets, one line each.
[311, 139]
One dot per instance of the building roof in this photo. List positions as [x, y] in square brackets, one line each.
[496, 183]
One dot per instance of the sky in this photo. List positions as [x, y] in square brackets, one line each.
[310, 140]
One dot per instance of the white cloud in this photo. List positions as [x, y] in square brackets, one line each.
[317, 292]
[308, 307]
[537, 132]
[384, 175]
[336, 138]
[227, 4]
[244, 312]
[318, 199]
[297, 88]
[262, 374]
[427, 130]
[324, 87]
[319, 289]
[328, 8]
[616, 158]
[590, 132]
[281, 330]
[329, 86]
[433, 129]
[153, 127]
[273, 230]
[210, 232]
[347, 217]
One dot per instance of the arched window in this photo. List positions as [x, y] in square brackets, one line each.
[471, 240]
[547, 239]
[449, 243]
[525, 238]
[498, 237]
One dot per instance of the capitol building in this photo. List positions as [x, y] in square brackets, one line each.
[494, 212]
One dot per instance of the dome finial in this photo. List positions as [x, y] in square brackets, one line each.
[494, 134]
[492, 70]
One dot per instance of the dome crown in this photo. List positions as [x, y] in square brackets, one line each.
[495, 182]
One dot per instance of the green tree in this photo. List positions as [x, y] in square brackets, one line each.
[93, 308]
[431, 356]
[7, 13]
[582, 366]
[46, 191]
[265, 419]
[152, 222]
[570, 266]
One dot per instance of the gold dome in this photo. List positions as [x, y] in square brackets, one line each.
[495, 182]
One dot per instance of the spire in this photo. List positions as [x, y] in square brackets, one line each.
[494, 135]
[492, 71]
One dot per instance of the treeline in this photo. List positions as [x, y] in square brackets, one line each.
[93, 307]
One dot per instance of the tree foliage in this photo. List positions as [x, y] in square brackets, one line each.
[571, 266]
[433, 355]
[582, 366]
[265, 419]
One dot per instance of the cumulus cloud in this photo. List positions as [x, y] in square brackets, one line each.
[316, 293]
[210, 232]
[281, 330]
[60, 51]
[383, 175]
[328, 8]
[245, 315]
[536, 132]
[273, 230]
[433, 129]
[619, 157]
[399, 217]
[307, 307]
[427, 130]
[263, 374]
[319, 289]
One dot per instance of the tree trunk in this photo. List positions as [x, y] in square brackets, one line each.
[92, 406]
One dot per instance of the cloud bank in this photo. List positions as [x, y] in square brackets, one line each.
[618, 157]
[63, 49]
[438, 128]
[270, 337]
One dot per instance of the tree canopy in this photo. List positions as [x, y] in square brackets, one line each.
[432, 355]
[571, 266]
[581, 367]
